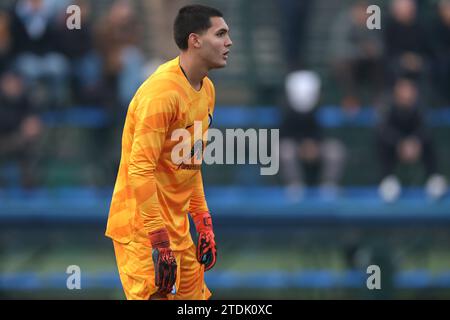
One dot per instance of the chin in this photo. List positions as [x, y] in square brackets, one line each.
[223, 64]
[219, 65]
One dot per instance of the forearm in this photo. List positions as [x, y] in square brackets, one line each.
[198, 204]
[147, 204]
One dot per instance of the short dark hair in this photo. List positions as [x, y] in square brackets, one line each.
[192, 19]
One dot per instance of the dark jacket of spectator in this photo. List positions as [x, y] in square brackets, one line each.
[300, 125]
[400, 38]
[400, 123]
[32, 33]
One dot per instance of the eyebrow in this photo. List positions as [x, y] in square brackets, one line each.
[222, 30]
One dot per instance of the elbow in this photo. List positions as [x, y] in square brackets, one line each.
[137, 172]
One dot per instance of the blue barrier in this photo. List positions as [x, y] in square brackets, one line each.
[329, 116]
[259, 204]
[89, 117]
[302, 279]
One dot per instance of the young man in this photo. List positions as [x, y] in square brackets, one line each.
[148, 220]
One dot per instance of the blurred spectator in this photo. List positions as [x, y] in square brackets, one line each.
[307, 158]
[6, 55]
[118, 36]
[294, 14]
[35, 48]
[402, 136]
[85, 63]
[117, 39]
[161, 14]
[357, 57]
[441, 48]
[19, 127]
[406, 42]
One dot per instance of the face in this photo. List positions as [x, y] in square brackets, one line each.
[214, 44]
[444, 11]
[404, 11]
[358, 14]
[36, 4]
[405, 94]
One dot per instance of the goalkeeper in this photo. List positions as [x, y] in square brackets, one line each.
[148, 218]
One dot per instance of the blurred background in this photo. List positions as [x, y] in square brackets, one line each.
[364, 119]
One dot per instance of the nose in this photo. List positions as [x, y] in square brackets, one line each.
[228, 43]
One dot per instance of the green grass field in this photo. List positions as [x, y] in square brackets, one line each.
[49, 251]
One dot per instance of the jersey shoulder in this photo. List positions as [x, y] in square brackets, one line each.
[211, 93]
[164, 82]
[209, 86]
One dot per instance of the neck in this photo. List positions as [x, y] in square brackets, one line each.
[193, 69]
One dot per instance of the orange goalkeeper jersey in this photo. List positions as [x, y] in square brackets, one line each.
[153, 191]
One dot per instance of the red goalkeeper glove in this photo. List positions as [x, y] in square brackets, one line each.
[206, 245]
[163, 261]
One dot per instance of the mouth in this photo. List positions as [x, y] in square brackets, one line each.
[225, 55]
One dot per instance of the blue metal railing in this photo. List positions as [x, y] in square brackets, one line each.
[329, 116]
[354, 205]
[302, 279]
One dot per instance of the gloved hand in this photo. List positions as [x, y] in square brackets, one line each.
[163, 261]
[206, 244]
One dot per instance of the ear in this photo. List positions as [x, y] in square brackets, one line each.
[194, 40]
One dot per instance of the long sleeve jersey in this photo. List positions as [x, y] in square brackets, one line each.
[152, 189]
